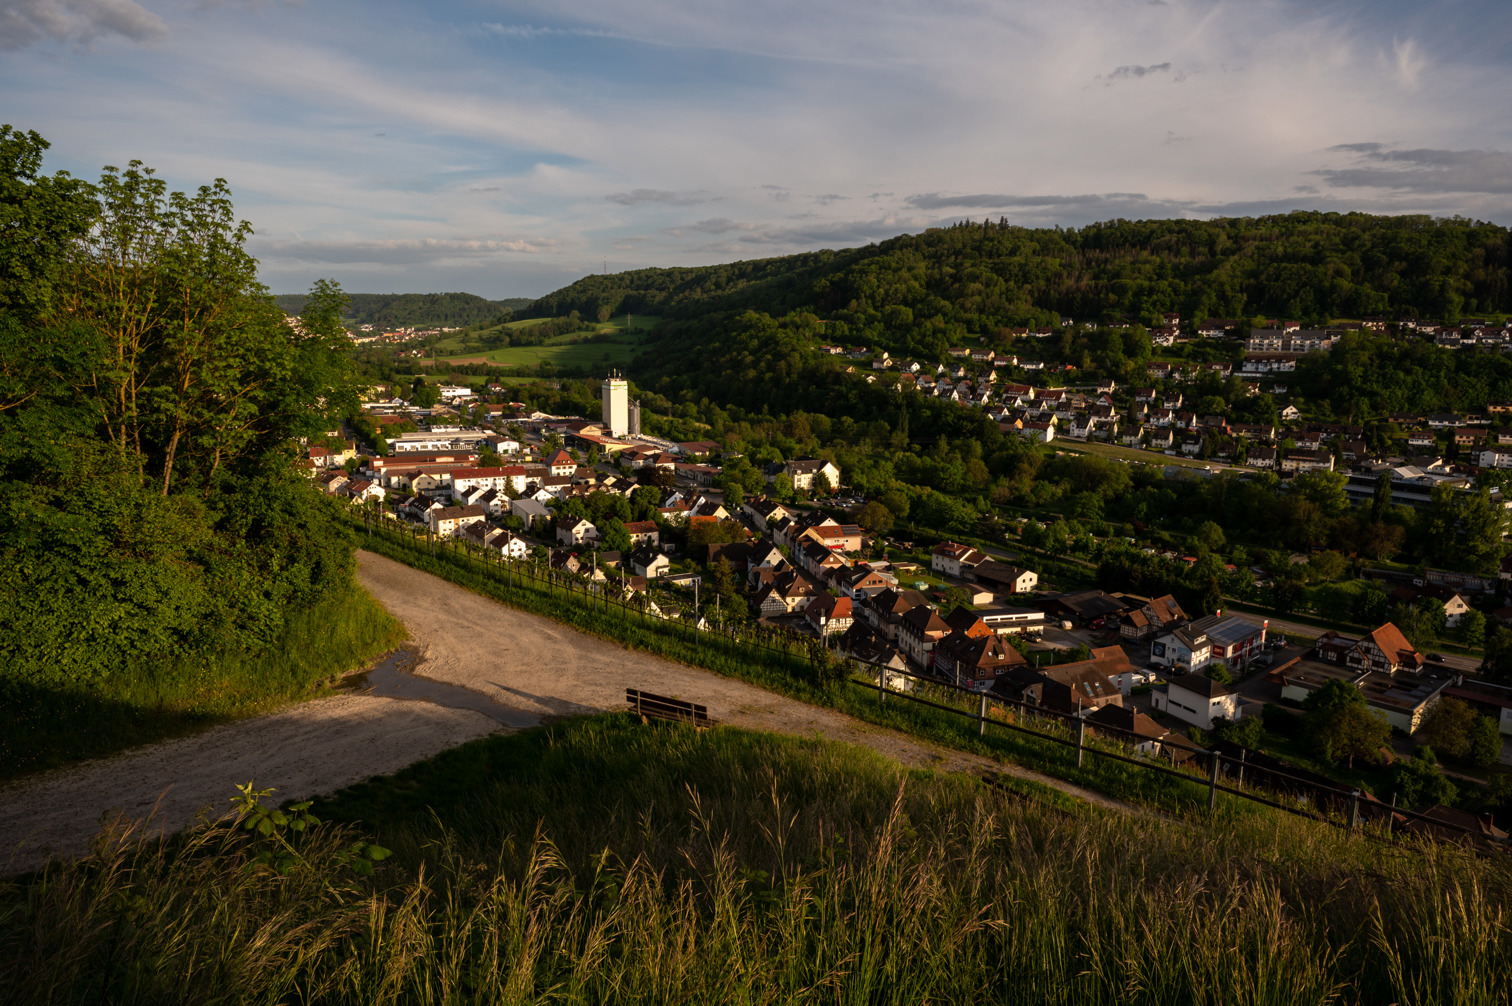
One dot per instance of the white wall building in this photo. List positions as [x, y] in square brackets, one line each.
[616, 414]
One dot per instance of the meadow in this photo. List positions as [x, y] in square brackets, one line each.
[603, 861]
[626, 336]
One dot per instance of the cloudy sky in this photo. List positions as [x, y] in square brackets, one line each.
[506, 148]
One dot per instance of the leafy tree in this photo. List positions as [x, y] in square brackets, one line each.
[782, 487]
[612, 535]
[820, 486]
[1471, 628]
[1325, 566]
[1341, 726]
[1446, 727]
[1218, 673]
[1418, 781]
[1497, 665]
[1485, 742]
[1247, 732]
[874, 516]
[1209, 535]
[423, 395]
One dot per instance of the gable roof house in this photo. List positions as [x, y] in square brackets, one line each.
[789, 591]
[971, 660]
[1155, 616]
[648, 562]
[577, 532]
[452, 520]
[1004, 577]
[885, 611]
[829, 615]
[955, 560]
[805, 470]
[1196, 699]
[919, 630]
[1193, 646]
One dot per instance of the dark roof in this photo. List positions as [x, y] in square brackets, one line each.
[1201, 684]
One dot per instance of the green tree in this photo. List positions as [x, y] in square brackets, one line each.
[1209, 535]
[1446, 727]
[820, 486]
[875, 517]
[1418, 781]
[612, 535]
[1497, 665]
[1471, 629]
[1341, 726]
[1485, 742]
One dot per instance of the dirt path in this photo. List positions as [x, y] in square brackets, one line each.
[529, 667]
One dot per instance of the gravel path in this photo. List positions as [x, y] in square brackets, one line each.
[522, 667]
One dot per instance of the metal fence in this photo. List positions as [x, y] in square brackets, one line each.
[1236, 775]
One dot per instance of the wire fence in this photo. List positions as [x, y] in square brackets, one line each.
[1247, 775]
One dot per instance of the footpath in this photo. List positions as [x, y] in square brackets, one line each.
[525, 668]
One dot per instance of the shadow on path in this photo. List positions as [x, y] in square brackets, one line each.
[392, 678]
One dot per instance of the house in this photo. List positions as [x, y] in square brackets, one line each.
[955, 560]
[1291, 413]
[507, 544]
[643, 532]
[1385, 650]
[789, 591]
[649, 562]
[829, 615]
[1154, 617]
[919, 629]
[1261, 457]
[1307, 461]
[1455, 604]
[763, 511]
[1003, 577]
[1041, 433]
[561, 464]
[451, 520]
[1130, 726]
[1085, 607]
[1216, 637]
[1078, 688]
[804, 471]
[974, 660]
[1196, 699]
[577, 532]
[885, 611]
[532, 512]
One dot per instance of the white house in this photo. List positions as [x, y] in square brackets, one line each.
[452, 520]
[1196, 699]
[577, 532]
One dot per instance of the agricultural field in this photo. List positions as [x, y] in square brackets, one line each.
[569, 350]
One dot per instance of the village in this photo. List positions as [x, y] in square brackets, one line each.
[639, 519]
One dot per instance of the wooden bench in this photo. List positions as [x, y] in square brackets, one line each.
[649, 706]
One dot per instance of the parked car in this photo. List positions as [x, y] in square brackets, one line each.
[1437, 658]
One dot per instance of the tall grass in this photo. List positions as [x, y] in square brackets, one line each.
[608, 863]
[45, 728]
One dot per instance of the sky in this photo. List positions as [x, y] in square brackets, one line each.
[507, 148]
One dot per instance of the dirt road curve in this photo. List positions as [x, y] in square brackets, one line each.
[531, 665]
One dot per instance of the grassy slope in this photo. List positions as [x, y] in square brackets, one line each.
[602, 861]
[629, 335]
[44, 730]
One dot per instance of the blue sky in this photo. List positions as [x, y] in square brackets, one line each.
[506, 148]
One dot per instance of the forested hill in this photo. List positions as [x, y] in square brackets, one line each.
[409, 310]
[977, 278]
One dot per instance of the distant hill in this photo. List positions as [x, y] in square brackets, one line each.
[405, 310]
[974, 278]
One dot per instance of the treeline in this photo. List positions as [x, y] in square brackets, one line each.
[416, 310]
[919, 293]
[152, 395]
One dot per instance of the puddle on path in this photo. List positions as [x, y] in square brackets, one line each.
[391, 678]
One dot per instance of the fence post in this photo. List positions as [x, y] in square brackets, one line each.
[1242, 753]
[1354, 809]
[1213, 782]
[1391, 817]
[1081, 738]
[982, 717]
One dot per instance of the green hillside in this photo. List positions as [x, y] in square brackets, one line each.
[410, 310]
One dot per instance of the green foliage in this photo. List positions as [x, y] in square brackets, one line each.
[416, 310]
[1419, 782]
[1485, 743]
[149, 511]
[1341, 727]
[1447, 727]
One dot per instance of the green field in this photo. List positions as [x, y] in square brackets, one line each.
[561, 350]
